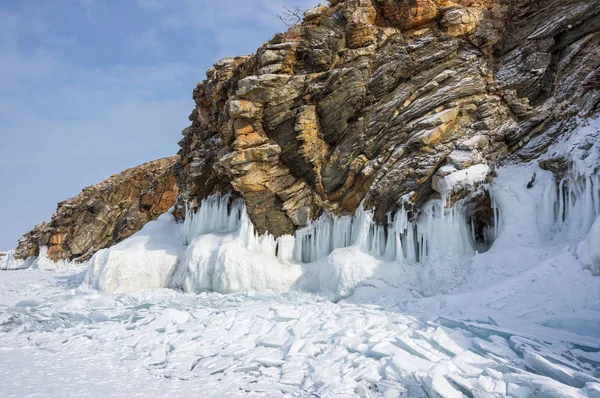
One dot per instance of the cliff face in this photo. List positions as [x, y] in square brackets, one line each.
[368, 100]
[104, 214]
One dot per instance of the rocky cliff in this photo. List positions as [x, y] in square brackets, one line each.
[376, 101]
[104, 214]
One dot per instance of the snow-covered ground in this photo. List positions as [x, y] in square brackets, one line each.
[58, 341]
[344, 308]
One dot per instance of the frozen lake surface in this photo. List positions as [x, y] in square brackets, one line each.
[58, 341]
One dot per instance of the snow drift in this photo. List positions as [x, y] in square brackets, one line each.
[146, 260]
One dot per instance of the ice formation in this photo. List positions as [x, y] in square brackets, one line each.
[9, 262]
[216, 214]
[432, 252]
[589, 250]
[42, 262]
[436, 234]
[334, 254]
[573, 203]
[217, 249]
[146, 260]
[421, 308]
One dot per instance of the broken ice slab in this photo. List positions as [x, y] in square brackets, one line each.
[541, 386]
[485, 330]
[383, 349]
[563, 374]
[558, 355]
[293, 372]
[499, 349]
[265, 361]
[471, 363]
[592, 358]
[419, 348]
[283, 314]
[212, 365]
[437, 385]
[593, 390]
[276, 337]
[449, 341]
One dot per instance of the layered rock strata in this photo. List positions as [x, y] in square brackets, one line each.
[104, 214]
[376, 101]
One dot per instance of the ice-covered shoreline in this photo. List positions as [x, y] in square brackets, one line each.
[345, 308]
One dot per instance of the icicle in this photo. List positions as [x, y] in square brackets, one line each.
[213, 216]
[9, 262]
[285, 248]
[434, 235]
[576, 203]
[494, 210]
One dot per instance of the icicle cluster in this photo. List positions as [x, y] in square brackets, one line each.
[574, 204]
[216, 214]
[219, 214]
[437, 234]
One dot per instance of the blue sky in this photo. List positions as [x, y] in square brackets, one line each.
[89, 88]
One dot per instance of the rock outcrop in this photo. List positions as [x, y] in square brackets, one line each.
[376, 101]
[104, 214]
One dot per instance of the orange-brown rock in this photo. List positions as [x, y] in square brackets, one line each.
[367, 100]
[104, 214]
[413, 14]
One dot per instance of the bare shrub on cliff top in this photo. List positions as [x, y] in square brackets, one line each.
[291, 16]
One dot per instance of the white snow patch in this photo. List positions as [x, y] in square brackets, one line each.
[146, 260]
[466, 178]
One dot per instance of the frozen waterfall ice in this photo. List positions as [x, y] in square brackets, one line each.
[435, 234]
[333, 254]
[573, 203]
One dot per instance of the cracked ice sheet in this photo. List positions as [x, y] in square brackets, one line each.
[57, 341]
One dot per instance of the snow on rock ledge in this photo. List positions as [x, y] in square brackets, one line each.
[146, 260]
